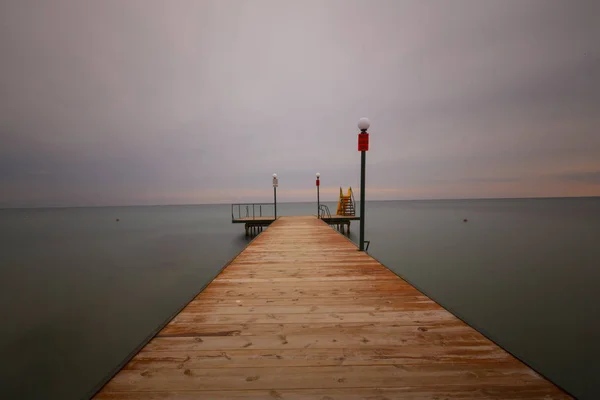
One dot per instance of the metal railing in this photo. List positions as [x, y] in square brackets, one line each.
[252, 210]
[324, 211]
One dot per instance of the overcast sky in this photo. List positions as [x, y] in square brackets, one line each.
[165, 102]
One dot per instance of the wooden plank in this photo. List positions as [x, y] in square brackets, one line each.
[253, 219]
[321, 377]
[194, 329]
[296, 280]
[300, 314]
[388, 289]
[375, 301]
[297, 275]
[336, 307]
[398, 317]
[301, 357]
[342, 286]
[465, 391]
[308, 270]
[283, 341]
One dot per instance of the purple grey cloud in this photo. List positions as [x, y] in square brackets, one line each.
[145, 102]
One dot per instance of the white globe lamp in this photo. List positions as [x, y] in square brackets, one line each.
[364, 124]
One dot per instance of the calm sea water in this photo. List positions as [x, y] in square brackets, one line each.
[79, 290]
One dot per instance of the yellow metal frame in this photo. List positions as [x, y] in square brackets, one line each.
[344, 201]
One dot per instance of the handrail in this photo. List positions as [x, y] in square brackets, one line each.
[256, 204]
[353, 201]
[257, 210]
[323, 209]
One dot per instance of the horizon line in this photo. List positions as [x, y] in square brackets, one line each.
[297, 202]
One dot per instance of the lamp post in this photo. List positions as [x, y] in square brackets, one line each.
[363, 147]
[318, 199]
[275, 184]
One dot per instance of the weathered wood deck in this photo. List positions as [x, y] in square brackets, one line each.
[301, 314]
[244, 220]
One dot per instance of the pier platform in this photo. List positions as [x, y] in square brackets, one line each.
[301, 314]
[340, 222]
[251, 215]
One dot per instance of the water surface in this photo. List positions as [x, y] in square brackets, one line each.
[80, 290]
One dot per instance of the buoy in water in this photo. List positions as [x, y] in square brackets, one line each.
[465, 220]
[117, 219]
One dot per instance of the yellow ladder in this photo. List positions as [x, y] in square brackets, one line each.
[346, 203]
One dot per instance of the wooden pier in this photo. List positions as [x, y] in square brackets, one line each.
[301, 314]
[251, 215]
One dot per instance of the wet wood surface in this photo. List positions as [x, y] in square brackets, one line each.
[301, 314]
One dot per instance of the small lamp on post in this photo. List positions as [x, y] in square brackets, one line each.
[275, 184]
[318, 199]
[363, 147]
